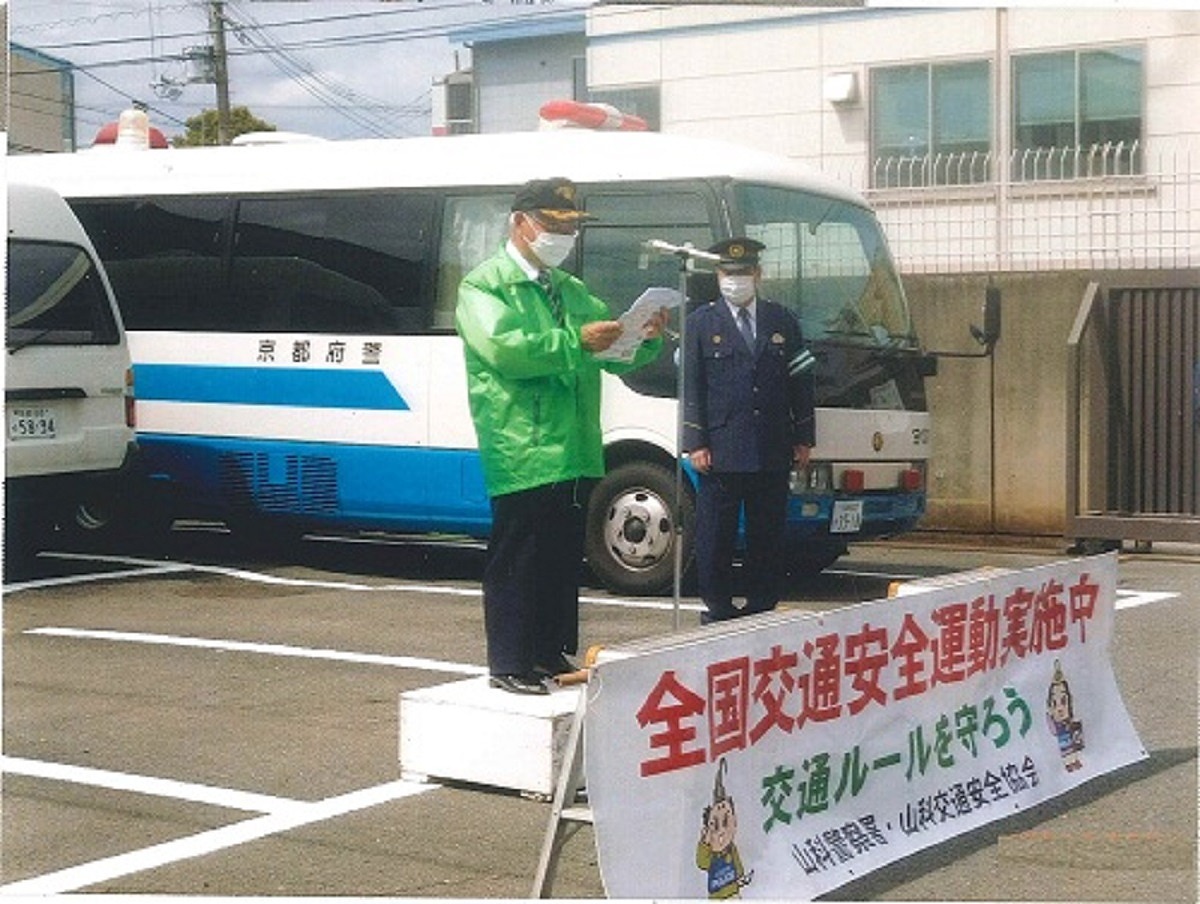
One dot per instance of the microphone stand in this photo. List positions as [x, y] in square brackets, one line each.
[687, 256]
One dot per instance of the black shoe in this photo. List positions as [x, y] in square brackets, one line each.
[519, 684]
[560, 665]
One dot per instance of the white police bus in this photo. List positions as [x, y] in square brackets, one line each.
[290, 310]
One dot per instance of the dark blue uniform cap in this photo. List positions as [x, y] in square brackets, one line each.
[737, 253]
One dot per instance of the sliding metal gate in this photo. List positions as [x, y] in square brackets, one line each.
[1134, 401]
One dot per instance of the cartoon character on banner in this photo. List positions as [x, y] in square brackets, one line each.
[716, 852]
[1060, 715]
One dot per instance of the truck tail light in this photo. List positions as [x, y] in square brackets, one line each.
[910, 480]
[130, 405]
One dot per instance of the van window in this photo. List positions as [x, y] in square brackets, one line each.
[163, 258]
[352, 263]
[56, 297]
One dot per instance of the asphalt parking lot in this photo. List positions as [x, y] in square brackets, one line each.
[201, 724]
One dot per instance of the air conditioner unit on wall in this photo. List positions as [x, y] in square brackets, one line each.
[841, 88]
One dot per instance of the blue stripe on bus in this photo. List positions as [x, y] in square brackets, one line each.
[283, 386]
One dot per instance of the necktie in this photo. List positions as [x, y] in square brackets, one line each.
[551, 295]
[746, 327]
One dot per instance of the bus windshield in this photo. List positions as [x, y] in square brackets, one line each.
[828, 262]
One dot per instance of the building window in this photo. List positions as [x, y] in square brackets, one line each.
[460, 105]
[1077, 114]
[931, 124]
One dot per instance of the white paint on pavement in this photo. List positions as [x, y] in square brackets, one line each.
[1131, 599]
[267, 649]
[273, 823]
[242, 574]
[149, 570]
[143, 784]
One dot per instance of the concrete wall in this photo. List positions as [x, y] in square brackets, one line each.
[40, 112]
[999, 461]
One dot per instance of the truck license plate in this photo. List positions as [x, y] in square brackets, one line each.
[31, 423]
[847, 517]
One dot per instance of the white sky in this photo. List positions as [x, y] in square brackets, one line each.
[342, 68]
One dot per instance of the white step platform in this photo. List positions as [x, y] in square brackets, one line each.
[470, 732]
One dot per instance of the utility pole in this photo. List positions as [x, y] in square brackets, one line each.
[216, 24]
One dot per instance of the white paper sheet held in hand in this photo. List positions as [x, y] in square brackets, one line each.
[634, 322]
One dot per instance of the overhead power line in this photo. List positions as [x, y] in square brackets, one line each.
[371, 115]
[339, 98]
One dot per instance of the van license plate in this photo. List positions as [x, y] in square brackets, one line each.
[847, 517]
[32, 423]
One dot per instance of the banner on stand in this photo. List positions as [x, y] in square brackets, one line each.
[789, 754]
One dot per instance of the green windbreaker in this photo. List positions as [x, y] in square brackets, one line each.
[534, 391]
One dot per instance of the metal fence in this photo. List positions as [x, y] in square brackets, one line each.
[1133, 410]
[1112, 207]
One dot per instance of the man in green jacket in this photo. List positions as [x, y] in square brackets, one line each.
[531, 333]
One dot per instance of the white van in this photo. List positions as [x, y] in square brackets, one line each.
[68, 398]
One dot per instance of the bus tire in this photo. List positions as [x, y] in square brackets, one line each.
[112, 520]
[630, 539]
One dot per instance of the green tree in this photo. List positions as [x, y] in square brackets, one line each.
[202, 129]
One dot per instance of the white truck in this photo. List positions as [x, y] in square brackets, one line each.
[68, 379]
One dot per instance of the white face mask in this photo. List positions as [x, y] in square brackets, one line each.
[739, 290]
[552, 248]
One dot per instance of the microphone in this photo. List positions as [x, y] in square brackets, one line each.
[686, 250]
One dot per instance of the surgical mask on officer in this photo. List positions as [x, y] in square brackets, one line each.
[551, 248]
[738, 288]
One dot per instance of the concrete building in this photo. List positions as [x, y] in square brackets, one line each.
[1053, 153]
[41, 102]
[516, 66]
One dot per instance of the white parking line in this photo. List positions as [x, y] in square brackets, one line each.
[260, 578]
[269, 649]
[1126, 599]
[77, 877]
[143, 784]
[1131, 599]
[150, 568]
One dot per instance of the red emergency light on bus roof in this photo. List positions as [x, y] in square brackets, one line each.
[132, 130]
[578, 115]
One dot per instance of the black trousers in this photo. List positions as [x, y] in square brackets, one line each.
[722, 498]
[531, 580]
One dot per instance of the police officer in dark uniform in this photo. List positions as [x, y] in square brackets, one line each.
[748, 419]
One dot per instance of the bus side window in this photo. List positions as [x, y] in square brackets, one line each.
[163, 258]
[473, 229]
[350, 263]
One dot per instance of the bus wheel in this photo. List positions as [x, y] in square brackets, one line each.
[109, 520]
[630, 541]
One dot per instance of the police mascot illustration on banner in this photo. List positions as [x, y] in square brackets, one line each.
[716, 853]
[1060, 714]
